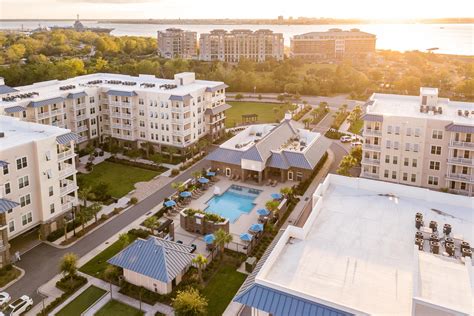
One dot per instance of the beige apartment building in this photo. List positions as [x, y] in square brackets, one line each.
[134, 110]
[231, 46]
[37, 179]
[335, 44]
[174, 42]
[422, 140]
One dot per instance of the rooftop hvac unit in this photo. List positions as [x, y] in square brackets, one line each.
[434, 226]
[450, 249]
[434, 247]
[2, 134]
[434, 237]
[419, 235]
[466, 253]
[447, 229]
[465, 245]
[418, 223]
[419, 243]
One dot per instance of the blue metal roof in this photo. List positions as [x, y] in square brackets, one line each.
[119, 93]
[76, 95]
[35, 104]
[67, 138]
[460, 128]
[226, 155]
[297, 160]
[156, 258]
[14, 109]
[4, 89]
[252, 154]
[180, 97]
[6, 205]
[218, 87]
[278, 160]
[218, 109]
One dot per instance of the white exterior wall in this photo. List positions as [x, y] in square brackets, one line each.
[149, 283]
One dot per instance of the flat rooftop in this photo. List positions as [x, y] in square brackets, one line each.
[409, 106]
[20, 132]
[356, 251]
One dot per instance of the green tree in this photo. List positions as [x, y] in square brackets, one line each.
[222, 239]
[171, 152]
[178, 186]
[85, 194]
[200, 261]
[124, 239]
[189, 303]
[110, 274]
[287, 192]
[346, 164]
[307, 121]
[151, 223]
[15, 52]
[272, 206]
[68, 265]
[95, 209]
[196, 174]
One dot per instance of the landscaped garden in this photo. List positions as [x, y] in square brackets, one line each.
[82, 302]
[117, 308]
[8, 274]
[118, 179]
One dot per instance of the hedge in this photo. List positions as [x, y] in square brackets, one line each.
[137, 164]
[81, 281]
[303, 185]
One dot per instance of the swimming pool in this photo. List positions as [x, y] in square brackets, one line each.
[233, 202]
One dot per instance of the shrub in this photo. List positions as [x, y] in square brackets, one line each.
[54, 235]
[69, 286]
[133, 200]
[303, 186]
[133, 291]
[117, 210]
[104, 217]
[174, 172]
[139, 233]
[136, 164]
[239, 96]
[89, 166]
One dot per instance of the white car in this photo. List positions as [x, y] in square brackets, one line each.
[356, 144]
[18, 307]
[345, 139]
[4, 298]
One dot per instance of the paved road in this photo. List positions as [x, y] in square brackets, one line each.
[41, 262]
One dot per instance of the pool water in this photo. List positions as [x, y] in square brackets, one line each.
[233, 202]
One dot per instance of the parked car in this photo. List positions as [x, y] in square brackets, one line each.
[18, 307]
[356, 144]
[4, 298]
[345, 139]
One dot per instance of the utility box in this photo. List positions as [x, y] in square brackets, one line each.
[250, 264]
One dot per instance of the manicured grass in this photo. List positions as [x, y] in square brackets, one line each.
[8, 274]
[356, 127]
[117, 308]
[97, 265]
[119, 178]
[82, 302]
[222, 287]
[263, 110]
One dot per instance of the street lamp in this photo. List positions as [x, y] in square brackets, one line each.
[42, 300]
[74, 205]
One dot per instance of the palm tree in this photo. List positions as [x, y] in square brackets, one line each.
[196, 174]
[84, 216]
[179, 186]
[84, 194]
[346, 164]
[171, 152]
[110, 273]
[286, 191]
[306, 122]
[201, 261]
[151, 223]
[124, 240]
[68, 265]
[272, 206]
[276, 110]
[202, 144]
[95, 209]
[222, 239]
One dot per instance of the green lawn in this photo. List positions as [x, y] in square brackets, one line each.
[117, 308]
[356, 127]
[96, 266]
[119, 178]
[222, 287]
[82, 302]
[263, 110]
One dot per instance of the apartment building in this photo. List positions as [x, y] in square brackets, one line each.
[231, 46]
[174, 42]
[335, 44]
[420, 140]
[134, 110]
[37, 179]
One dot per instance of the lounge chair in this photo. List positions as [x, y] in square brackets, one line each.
[269, 182]
[274, 183]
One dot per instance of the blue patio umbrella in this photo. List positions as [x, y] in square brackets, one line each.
[209, 238]
[185, 194]
[203, 180]
[170, 203]
[276, 196]
[246, 237]
[263, 212]
[210, 173]
[256, 228]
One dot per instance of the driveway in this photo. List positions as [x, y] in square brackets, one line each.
[41, 263]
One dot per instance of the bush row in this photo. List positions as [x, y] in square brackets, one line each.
[79, 282]
[137, 164]
[303, 185]
[298, 116]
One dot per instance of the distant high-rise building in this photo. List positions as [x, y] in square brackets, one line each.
[175, 42]
[231, 46]
[334, 44]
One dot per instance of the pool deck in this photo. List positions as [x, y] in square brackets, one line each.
[242, 224]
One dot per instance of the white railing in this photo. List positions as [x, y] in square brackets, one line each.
[79, 117]
[372, 132]
[461, 144]
[371, 161]
[82, 139]
[461, 177]
[81, 128]
[366, 146]
[461, 161]
[370, 175]
[70, 187]
[66, 206]
[66, 154]
[66, 171]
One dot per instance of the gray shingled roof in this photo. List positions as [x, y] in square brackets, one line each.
[217, 109]
[4, 89]
[14, 109]
[76, 95]
[297, 160]
[278, 160]
[120, 93]
[67, 138]
[218, 87]
[317, 150]
[6, 205]
[252, 154]
[156, 258]
[35, 104]
[181, 97]
[226, 155]
[460, 128]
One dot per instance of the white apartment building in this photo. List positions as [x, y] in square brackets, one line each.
[421, 140]
[134, 110]
[175, 42]
[231, 46]
[37, 178]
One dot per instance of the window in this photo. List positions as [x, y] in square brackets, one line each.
[394, 175]
[406, 162]
[432, 180]
[227, 172]
[434, 165]
[51, 208]
[413, 177]
[21, 163]
[23, 182]
[405, 176]
[91, 100]
[387, 159]
[395, 160]
[290, 175]
[395, 145]
[25, 200]
[415, 147]
[8, 188]
[47, 155]
[417, 132]
[436, 150]
[385, 174]
[437, 134]
[51, 191]
[141, 102]
[397, 130]
[414, 163]
[49, 173]
[5, 169]
[299, 176]
[11, 226]
[409, 131]
[389, 129]
[407, 146]
[26, 218]
[388, 144]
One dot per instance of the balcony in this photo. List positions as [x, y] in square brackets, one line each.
[370, 161]
[460, 177]
[459, 144]
[79, 117]
[366, 146]
[121, 136]
[370, 175]
[181, 132]
[67, 186]
[79, 106]
[372, 132]
[461, 192]
[186, 120]
[181, 109]
[66, 170]
[66, 155]
[461, 161]
[82, 139]
[81, 128]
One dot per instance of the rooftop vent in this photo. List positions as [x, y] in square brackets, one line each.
[95, 82]
[2, 134]
[114, 82]
[434, 247]
[168, 86]
[129, 83]
[20, 96]
[147, 85]
[447, 229]
[68, 87]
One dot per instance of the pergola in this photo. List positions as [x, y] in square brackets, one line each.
[249, 118]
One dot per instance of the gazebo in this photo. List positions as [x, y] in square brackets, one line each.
[249, 119]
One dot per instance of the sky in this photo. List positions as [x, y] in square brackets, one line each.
[172, 9]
